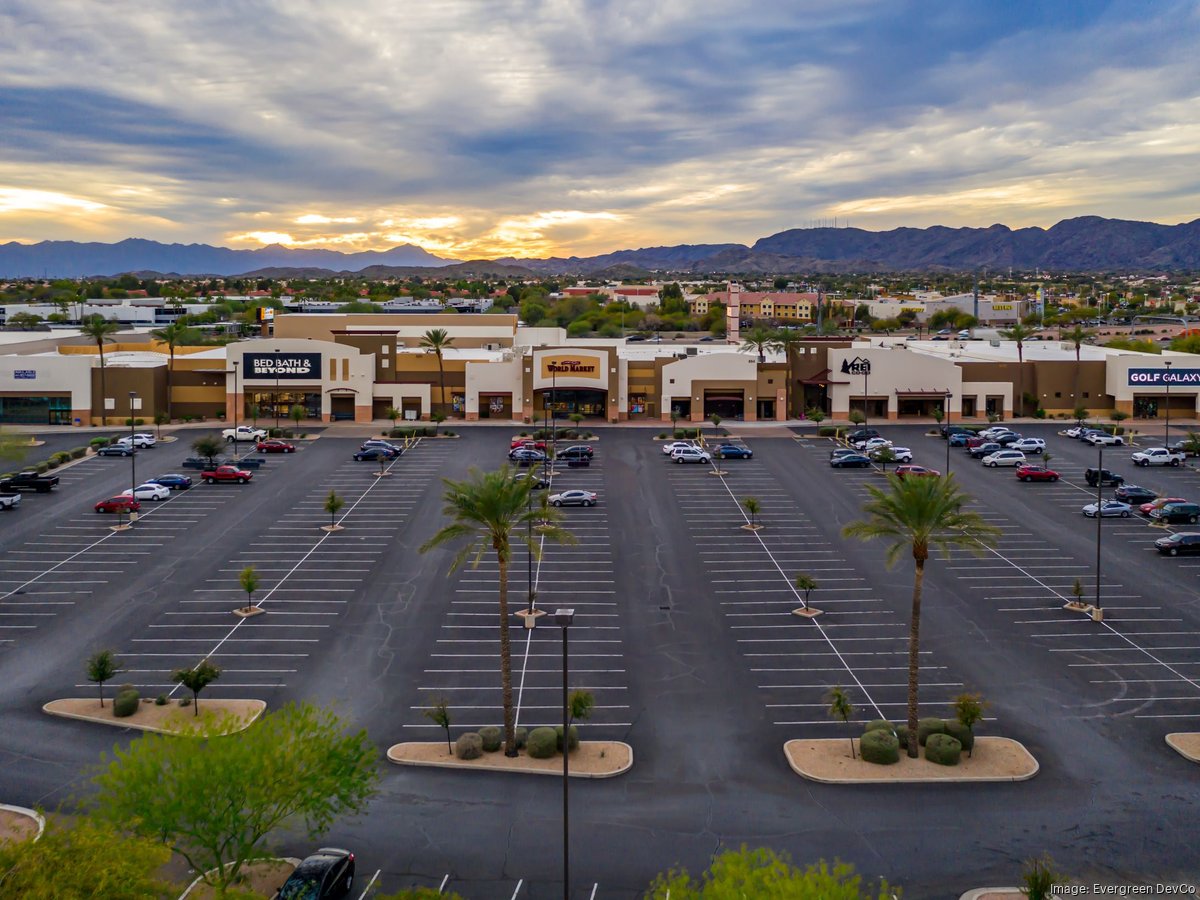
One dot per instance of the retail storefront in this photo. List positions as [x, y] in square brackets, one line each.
[45, 390]
[569, 382]
[328, 381]
[1147, 387]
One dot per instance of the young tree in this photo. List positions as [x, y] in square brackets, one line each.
[439, 715]
[580, 705]
[172, 335]
[753, 507]
[1080, 413]
[100, 330]
[209, 446]
[674, 420]
[763, 873]
[805, 582]
[716, 420]
[215, 803]
[333, 505]
[248, 579]
[437, 418]
[883, 456]
[969, 709]
[815, 415]
[91, 858]
[1117, 418]
[856, 417]
[489, 511]
[938, 414]
[255, 412]
[840, 707]
[160, 419]
[1020, 334]
[103, 666]
[296, 414]
[197, 679]
[437, 341]
[915, 514]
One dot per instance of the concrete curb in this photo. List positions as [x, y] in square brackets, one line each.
[983, 892]
[485, 766]
[954, 779]
[1174, 743]
[29, 814]
[126, 723]
[293, 861]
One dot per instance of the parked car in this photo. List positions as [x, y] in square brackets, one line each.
[227, 474]
[1104, 439]
[915, 471]
[1007, 438]
[850, 461]
[173, 481]
[528, 443]
[1029, 473]
[148, 491]
[861, 434]
[1029, 445]
[1177, 513]
[1178, 543]
[960, 438]
[244, 433]
[870, 444]
[573, 498]
[575, 451]
[1158, 456]
[523, 457]
[10, 500]
[1187, 446]
[842, 451]
[733, 451]
[118, 504]
[671, 446]
[899, 454]
[995, 431]
[142, 440]
[393, 449]
[273, 445]
[29, 481]
[1103, 477]
[116, 450]
[1004, 458]
[1073, 432]
[948, 430]
[987, 448]
[326, 875]
[1108, 509]
[540, 482]
[973, 442]
[1157, 503]
[1134, 494]
[373, 454]
[691, 455]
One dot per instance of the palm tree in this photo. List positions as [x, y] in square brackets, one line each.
[759, 339]
[805, 582]
[840, 707]
[98, 329]
[1019, 333]
[172, 335]
[783, 342]
[913, 514]
[436, 340]
[1076, 336]
[489, 510]
[754, 508]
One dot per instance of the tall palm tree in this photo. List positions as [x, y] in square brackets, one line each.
[491, 510]
[759, 339]
[436, 340]
[172, 335]
[1020, 334]
[1076, 336]
[100, 329]
[914, 514]
[783, 342]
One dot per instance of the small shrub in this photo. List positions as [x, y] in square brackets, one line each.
[926, 727]
[880, 725]
[827, 431]
[662, 435]
[879, 747]
[902, 735]
[185, 701]
[79, 452]
[572, 737]
[521, 736]
[962, 734]
[139, 422]
[491, 737]
[42, 468]
[160, 700]
[1040, 877]
[468, 746]
[542, 743]
[51, 463]
[942, 749]
[125, 704]
[98, 442]
[187, 419]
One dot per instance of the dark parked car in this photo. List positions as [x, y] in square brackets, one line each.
[524, 457]
[960, 438]
[575, 451]
[29, 481]
[1177, 513]
[948, 430]
[174, 482]
[394, 449]
[539, 482]
[862, 434]
[1175, 544]
[327, 874]
[116, 450]
[1095, 476]
[850, 461]
[1008, 438]
[733, 451]
[1134, 494]
[985, 449]
[373, 454]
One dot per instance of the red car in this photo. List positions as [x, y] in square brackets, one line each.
[1036, 473]
[973, 442]
[527, 443]
[1146, 508]
[274, 446]
[118, 504]
[915, 471]
[225, 473]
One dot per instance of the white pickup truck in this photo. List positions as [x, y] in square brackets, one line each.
[244, 433]
[1158, 456]
[10, 500]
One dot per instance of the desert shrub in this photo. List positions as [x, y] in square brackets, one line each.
[542, 743]
[79, 452]
[926, 727]
[51, 463]
[521, 736]
[942, 749]
[125, 703]
[826, 431]
[185, 701]
[491, 737]
[42, 468]
[902, 735]
[572, 738]
[879, 747]
[160, 700]
[961, 733]
[880, 725]
[662, 435]
[468, 746]
[98, 442]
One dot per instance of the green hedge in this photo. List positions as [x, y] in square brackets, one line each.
[79, 452]
[880, 725]
[827, 431]
[902, 735]
[927, 727]
[542, 743]
[943, 750]
[521, 736]
[468, 746]
[961, 733]
[126, 703]
[879, 747]
[572, 737]
[491, 737]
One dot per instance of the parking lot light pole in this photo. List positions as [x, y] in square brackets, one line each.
[866, 372]
[1167, 379]
[949, 396]
[235, 409]
[132, 455]
[1099, 516]
[276, 352]
[563, 618]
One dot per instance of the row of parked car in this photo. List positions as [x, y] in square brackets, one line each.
[694, 452]
[527, 453]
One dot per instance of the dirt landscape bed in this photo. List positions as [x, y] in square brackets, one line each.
[828, 760]
[593, 759]
[170, 718]
[17, 825]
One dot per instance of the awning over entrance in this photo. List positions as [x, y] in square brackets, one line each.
[929, 393]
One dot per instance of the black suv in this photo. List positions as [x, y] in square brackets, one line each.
[1095, 476]
[948, 430]
[863, 434]
[326, 874]
[576, 451]
[1134, 494]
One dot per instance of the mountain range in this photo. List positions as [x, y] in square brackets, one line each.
[1085, 244]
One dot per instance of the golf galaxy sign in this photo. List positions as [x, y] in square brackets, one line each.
[1163, 377]
[282, 365]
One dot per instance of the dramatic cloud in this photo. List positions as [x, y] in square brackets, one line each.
[536, 127]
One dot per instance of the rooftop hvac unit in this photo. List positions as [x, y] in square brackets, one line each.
[994, 342]
[692, 351]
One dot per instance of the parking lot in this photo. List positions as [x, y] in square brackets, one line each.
[684, 632]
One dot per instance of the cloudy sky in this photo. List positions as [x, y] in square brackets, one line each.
[556, 127]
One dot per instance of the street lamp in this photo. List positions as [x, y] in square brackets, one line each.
[276, 352]
[1167, 379]
[949, 397]
[866, 372]
[1099, 516]
[235, 409]
[563, 618]
[132, 454]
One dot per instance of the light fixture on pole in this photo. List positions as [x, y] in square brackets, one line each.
[235, 408]
[132, 454]
[563, 618]
[949, 397]
[866, 372]
[276, 352]
[1098, 614]
[1167, 379]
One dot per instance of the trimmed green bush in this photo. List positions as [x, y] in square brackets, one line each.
[572, 737]
[51, 463]
[79, 452]
[491, 737]
[961, 733]
[942, 749]
[125, 703]
[826, 431]
[542, 743]
[185, 701]
[521, 736]
[880, 725]
[879, 747]
[42, 468]
[926, 727]
[902, 735]
[160, 700]
[98, 442]
[468, 746]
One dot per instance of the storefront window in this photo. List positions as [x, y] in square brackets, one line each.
[458, 402]
[637, 403]
[272, 405]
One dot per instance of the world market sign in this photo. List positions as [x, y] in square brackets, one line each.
[574, 366]
[1162, 377]
[282, 365]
